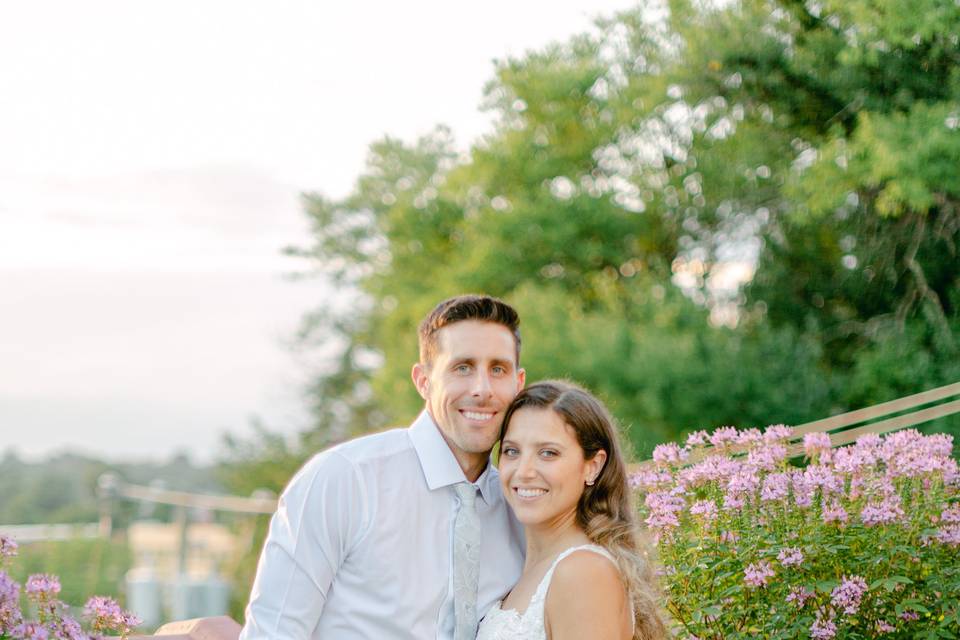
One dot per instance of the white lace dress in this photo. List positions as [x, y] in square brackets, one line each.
[507, 624]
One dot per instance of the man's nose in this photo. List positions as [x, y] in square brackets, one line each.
[481, 385]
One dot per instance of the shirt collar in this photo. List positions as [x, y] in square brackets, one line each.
[440, 466]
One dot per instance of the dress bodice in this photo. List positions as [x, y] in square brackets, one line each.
[508, 624]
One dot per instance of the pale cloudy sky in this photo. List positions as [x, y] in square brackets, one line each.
[152, 154]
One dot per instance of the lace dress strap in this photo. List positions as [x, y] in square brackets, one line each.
[501, 624]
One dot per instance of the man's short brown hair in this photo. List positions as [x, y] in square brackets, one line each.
[466, 307]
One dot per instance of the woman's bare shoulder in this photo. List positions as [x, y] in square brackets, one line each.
[587, 598]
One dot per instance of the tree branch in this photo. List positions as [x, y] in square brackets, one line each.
[933, 307]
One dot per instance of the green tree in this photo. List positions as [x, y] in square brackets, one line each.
[811, 145]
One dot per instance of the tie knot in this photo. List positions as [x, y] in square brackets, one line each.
[467, 492]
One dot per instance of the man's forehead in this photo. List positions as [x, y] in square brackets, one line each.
[476, 339]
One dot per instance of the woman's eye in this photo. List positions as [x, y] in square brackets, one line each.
[548, 453]
[510, 452]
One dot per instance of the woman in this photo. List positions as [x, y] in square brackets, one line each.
[563, 474]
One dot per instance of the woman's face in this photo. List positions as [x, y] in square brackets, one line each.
[542, 467]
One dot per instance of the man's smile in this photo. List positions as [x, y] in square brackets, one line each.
[477, 415]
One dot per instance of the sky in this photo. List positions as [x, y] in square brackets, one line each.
[152, 157]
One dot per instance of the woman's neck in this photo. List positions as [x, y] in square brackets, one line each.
[549, 539]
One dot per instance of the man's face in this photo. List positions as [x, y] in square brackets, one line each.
[468, 386]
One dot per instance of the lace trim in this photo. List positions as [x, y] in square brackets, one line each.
[509, 624]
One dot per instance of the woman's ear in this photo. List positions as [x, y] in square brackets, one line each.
[595, 466]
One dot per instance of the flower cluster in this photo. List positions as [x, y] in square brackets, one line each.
[53, 621]
[846, 541]
[105, 614]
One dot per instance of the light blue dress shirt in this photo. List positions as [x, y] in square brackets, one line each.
[361, 545]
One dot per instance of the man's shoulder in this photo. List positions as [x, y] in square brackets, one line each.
[374, 446]
[363, 450]
[346, 462]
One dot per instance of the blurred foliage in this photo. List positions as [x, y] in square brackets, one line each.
[63, 488]
[631, 174]
[85, 567]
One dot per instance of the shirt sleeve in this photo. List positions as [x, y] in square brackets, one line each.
[320, 516]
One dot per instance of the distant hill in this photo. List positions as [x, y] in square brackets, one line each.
[62, 488]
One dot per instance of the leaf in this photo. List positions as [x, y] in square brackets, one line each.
[915, 605]
[826, 586]
[713, 610]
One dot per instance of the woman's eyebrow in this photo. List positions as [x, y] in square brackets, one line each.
[544, 443]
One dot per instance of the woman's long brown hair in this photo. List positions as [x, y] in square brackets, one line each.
[605, 510]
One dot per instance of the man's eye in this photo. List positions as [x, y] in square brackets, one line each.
[463, 368]
[499, 370]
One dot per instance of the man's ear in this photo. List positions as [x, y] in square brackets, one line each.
[421, 379]
[521, 379]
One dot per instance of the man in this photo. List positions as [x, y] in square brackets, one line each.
[405, 533]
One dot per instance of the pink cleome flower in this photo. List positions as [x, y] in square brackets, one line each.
[106, 614]
[8, 548]
[768, 457]
[697, 439]
[30, 631]
[849, 594]
[749, 437]
[816, 443]
[42, 586]
[790, 556]
[949, 535]
[885, 627]
[724, 436]
[777, 433]
[833, 512]
[822, 476]
[664, 509]
[799, 596]
[650, 479]
[887, 511]
[69, 629]
[670, 454]
[776, 487]
[757, 574]
[823, 629]
[715, 468]
[706, 509]
[951, 513]
[10, 615]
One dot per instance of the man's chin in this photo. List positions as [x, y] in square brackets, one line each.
[480, 445]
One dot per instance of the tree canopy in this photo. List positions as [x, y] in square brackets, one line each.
[733, 213]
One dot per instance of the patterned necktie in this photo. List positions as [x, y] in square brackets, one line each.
[466, 562]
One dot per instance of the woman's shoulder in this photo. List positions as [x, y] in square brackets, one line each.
[602, 610]
[587, 563]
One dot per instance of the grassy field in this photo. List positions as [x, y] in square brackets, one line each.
[85, 567]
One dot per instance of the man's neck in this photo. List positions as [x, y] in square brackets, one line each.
[473, 467]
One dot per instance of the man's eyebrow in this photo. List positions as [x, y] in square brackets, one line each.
[473, 360]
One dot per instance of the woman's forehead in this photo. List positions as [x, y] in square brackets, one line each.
[537, 424]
